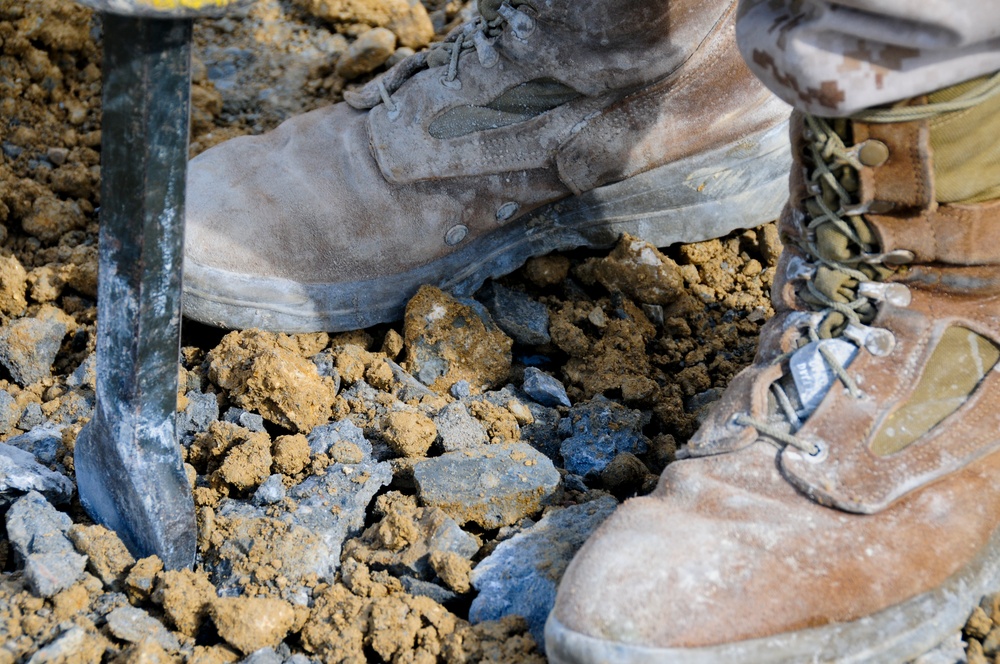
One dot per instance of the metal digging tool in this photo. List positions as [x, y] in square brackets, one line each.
[128, 463]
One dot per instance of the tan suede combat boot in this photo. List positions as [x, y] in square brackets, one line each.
[542, 125]
[842, 501]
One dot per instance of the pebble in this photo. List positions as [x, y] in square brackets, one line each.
[521, 575]
[367, 53]
[42, 441]
[245, 419]
[416, 586]
[21, 473]
[9, 412]
[28, 346]
[458, 429]
[31, 417]
[544, 389]
[37, 532]
[202, 409]
[595, 432]
[266, 655]
[494, 486]
[271, 491]
[133, 625]
[326, 436]
[84, 375]
[460, 390]
[524, 319]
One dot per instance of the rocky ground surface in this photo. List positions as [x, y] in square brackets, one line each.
[406, 493]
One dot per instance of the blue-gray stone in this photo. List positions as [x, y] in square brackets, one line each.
[271, 491]
[84, 375]
[326, 366]
[37, 532]
[322, 438]
[461, 389]
[251, 421]
[597, 431]
[544, 389]
[28, 346]
[524, 319]
[520, 577]
[493, 486]
[31, 417]
[43, 442]
[416, 586]
[133, 625]
[9, 412]
[458, 429]
[21, 473]
[202, 409]
[266, 655]
[407, 387]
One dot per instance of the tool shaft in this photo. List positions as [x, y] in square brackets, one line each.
[128, 463]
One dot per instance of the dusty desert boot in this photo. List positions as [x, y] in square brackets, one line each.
[540, 126]
[842, 501]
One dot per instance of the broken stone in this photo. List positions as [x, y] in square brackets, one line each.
[202, 409]
[367, 53]
[107, 557]
[448, 340]
[521, 575]
[524, 319]
[597, 431]
[134, 625]
[637, 269]
[28, 346]
[494, 486]
[327, 437]
[37, 532]
[544, 389]
[247, 420]
[409, 434]
[31, 417]
[9, 412]
[270, 492]
[43, 442]
[458, 429]
[422, 588]
[13, 284]
[252, 623]
[21, 473]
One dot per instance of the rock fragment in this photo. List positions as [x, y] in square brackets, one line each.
[42, 442]
[134, 625]
[265, 372]
[202, 409]
[597, 431]
[458, 429]
[107, 557]
[409, 434]
[545, 389]
[408, 19]
[448, 340]
[328, 437]
[367, 53]
[523, 318]
[28, 346]
[21, 473]
[492, 487]
[252, 623]
[13, 284]
[270, 492]
[185, 596]
[521, 575]
[37, 532]
[637, 269]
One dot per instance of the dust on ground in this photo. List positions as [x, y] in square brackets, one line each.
[319, 463]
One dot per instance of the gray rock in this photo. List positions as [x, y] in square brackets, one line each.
[597, 431]
[458, 429]
[84, 375]
[461, 389]
[263, 656]
[31, 417]
[654, 312]
[131, 624]
[21, 473]
[949, 651]
[322, 438]
[416, 586]
[28, 346]
[64, 648]
[326, 367]
[37, 532]
[202, 409]
[43, 442]
[408, 386]
[545, 389]
[524, 319]
[520, 577]
[492, 486]
[9, 412]
[247, 420]
[543, 433]
[300, 659]
[271, 491]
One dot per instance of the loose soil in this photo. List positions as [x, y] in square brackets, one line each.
[661, 332]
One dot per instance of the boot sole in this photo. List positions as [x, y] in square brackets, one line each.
[708, 195]
[899, 633]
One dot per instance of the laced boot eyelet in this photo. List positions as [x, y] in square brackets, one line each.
[877, 341]
[520, 23]
[451, 84]
[893, 294]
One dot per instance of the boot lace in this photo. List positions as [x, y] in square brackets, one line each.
[479, 35]
[843, 278]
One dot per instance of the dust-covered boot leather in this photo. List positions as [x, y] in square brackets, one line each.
[541, 125]
[842, 501]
